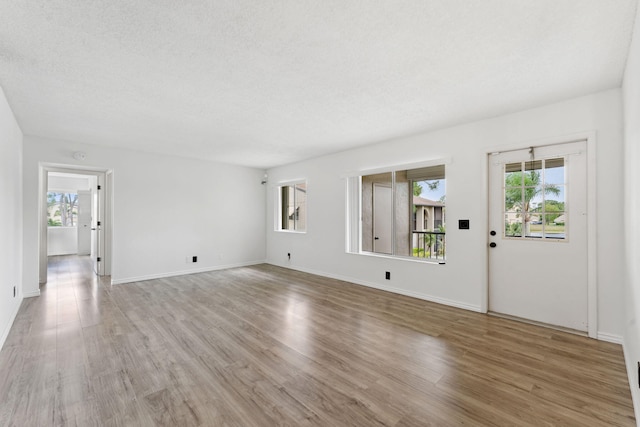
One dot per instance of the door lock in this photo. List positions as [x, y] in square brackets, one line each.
[493, 244]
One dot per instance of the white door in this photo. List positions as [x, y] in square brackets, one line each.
[538, 234]
[97, 227]
[84, 222]
[382, 218]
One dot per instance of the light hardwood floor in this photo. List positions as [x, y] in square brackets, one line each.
[265, 346]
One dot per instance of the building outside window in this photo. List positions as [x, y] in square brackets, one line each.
[292, 205]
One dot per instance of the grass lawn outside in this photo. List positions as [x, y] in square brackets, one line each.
[548, 228]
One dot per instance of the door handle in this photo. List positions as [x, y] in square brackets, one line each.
[376, 238]
[493, 244]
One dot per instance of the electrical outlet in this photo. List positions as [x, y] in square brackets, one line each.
[387, 275]
[194, 259]
[289, 255]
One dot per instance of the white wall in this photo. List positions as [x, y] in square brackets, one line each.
[10, 217]
[462, 281]
[62, 240]
[165, 209]
[631, 236]
[64, 184]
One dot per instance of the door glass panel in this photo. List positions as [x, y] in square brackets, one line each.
[533, 166]
[555, 199]
[532, 204]
[554, 171]
[512, 224]
[513, 199]
[554, 225]
[513, 175]
[534, 195]
[554, 194]
[533, 220]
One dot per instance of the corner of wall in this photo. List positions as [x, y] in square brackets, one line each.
[631, 153]
[632, 368]
[12, 318]
[11, 243]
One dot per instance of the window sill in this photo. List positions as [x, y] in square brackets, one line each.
[401, 258]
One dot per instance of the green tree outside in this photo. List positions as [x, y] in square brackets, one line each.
[517, 199]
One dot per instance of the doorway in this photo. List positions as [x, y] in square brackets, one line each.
[75, 211]
[539, 236]
[69, 213]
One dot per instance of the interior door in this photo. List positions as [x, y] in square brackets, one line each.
[382, 218]
[538, 234]
[97, 227]
[84, 222]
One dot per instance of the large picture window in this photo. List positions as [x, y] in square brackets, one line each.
[401, 213]
[292, 202]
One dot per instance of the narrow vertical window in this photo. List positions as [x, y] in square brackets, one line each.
[293, 207]
[428, 209]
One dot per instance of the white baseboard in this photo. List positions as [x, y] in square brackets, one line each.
[35, 293]
[426, 297]
[182, 273]
[616, 339]
[7, 328]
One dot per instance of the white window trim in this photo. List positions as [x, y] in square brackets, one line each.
[398, 167]
[353, 218]
[278, 206]
[546, 240]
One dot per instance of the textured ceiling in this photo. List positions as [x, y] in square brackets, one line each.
[264, 83]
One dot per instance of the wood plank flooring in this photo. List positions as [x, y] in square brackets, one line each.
[265, 346]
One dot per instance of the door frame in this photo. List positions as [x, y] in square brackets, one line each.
[107, 174]
[592, 245]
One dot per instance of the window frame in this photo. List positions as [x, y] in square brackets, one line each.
[278, 220]
[74, 209]
[354, 208]
[563, 187]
